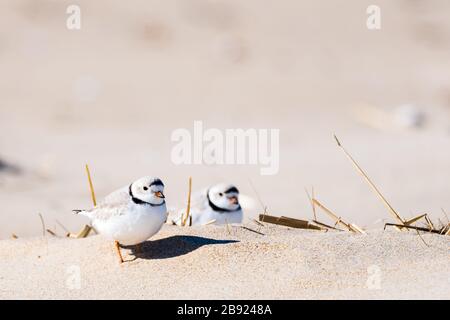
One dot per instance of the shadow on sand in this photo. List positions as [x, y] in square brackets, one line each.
[172, 246]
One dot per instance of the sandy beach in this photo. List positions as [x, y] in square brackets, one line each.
[212, 263]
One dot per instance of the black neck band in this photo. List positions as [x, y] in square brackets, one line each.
[139, 201]
[219, 209]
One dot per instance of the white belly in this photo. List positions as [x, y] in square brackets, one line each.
[200, 218]
[135, 226]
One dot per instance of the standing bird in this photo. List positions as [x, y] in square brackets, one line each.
[216, 205]
[132, 214]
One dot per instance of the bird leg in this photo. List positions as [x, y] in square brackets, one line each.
[117, 246]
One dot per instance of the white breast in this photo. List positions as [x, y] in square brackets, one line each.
[208, 214]
[136, 224]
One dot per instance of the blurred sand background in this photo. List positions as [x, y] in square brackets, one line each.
[111, 94]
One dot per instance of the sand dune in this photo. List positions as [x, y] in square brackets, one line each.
[207, 263]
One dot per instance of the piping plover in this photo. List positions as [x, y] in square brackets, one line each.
[131, 214]
[216, 205]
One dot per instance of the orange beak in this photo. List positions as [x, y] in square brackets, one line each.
[233, 200]
[159, 194]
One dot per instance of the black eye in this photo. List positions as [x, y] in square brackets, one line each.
[145, 188]
[221, 194]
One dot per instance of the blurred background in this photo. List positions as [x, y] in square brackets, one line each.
[111, 93]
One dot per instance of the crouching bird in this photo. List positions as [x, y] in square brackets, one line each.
[130, 215]
[218, 204]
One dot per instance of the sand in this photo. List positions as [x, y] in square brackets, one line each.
[210, 263]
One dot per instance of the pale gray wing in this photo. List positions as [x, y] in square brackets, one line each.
[114, 204]
[106, 211]
[199, 200]
[119, 196]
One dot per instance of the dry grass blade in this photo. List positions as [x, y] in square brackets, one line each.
[361, 171]
[326, 225]
[209, 222]
[188, 207]
[338, 220]
[447, 230]
[258, 223]
[91, 186]
[63, 227]
[51, 232]
[412, 220]
[410, 227]
[264, 213]
[444, 227]
[42, 223]
[84, 232]
[430, 223]
[257, 195]
[251, 230]
[357, 229]
[264, 207]
[421, 238]
[228, 226]
[311, 202]
[289, 222]
[445, 214]
[86, 229]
